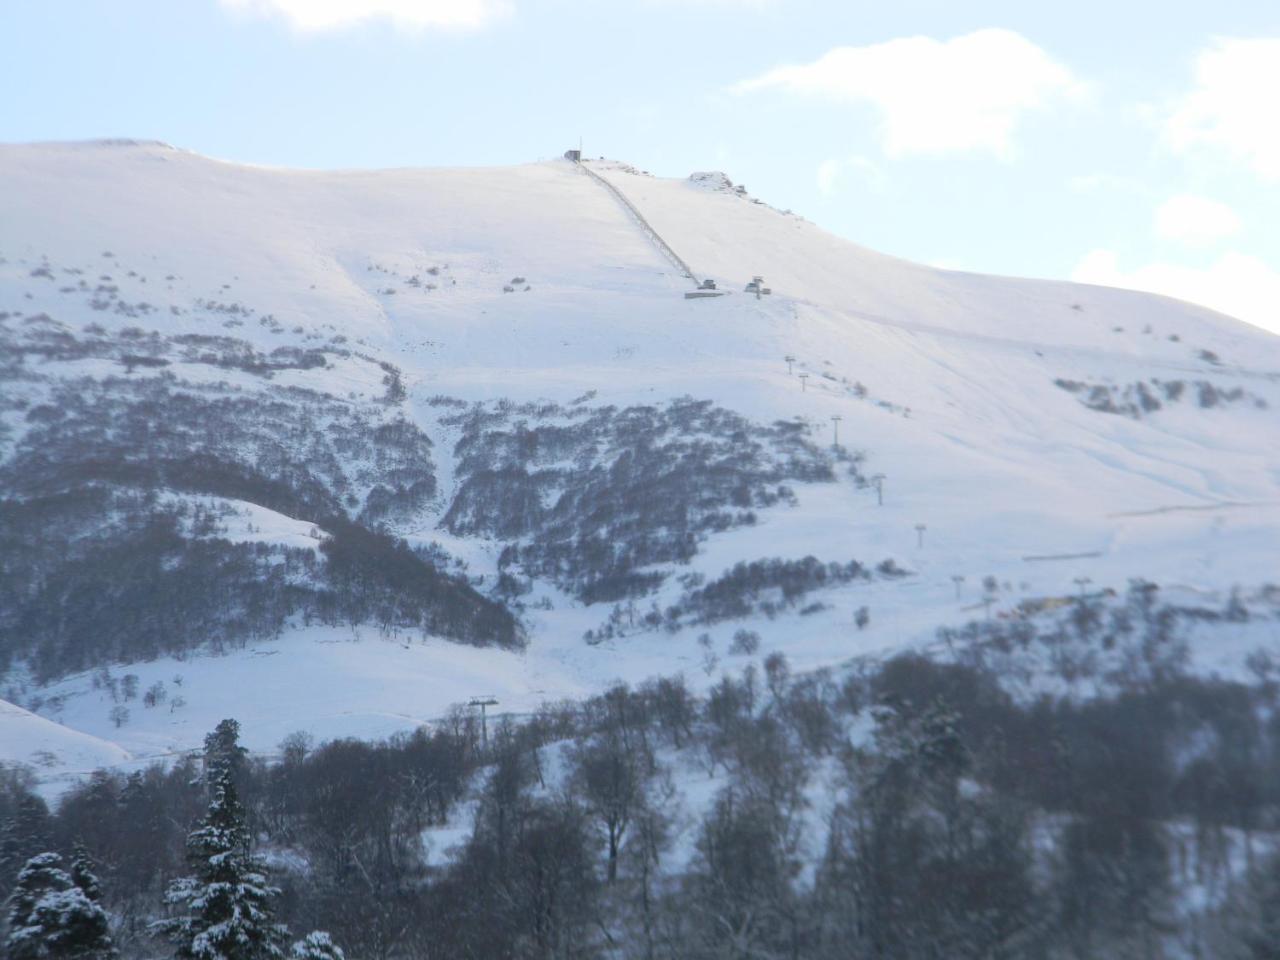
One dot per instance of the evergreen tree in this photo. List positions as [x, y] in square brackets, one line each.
[52, 918]
[82, 874]
[42, 874]
[222, 751]
[226, 905]
[316, 945]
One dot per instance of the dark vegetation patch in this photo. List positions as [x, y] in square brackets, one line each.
[100, 564]
[301, 453]
[769, 587]
[1138, 399]
[588, 497]
[96, 576]
[760, 587]
[43, 338]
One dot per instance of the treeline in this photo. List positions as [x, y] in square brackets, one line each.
[44, 338]
[913, 810]
[156, 579]
[301, 453]
[767, 587]
[1097, 644]
[590, 496]
[102, 559]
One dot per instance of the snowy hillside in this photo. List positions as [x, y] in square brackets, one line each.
[296, 369]
[57, 754]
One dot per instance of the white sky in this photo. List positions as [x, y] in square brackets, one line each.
[1132, 144]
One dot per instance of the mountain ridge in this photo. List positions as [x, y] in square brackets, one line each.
[504, 347]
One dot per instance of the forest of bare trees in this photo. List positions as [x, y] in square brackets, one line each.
[912, 809]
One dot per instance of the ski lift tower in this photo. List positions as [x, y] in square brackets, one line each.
[483, 701]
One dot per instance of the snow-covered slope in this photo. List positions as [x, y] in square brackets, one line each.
[1041, 432]
[57, 754]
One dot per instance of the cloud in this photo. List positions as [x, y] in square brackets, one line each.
[967, 93]
[828, 173]
[1098, 182]
[835, 169]
[1194, 220]
[1232, 105]
[1236, 284]
[317, 15]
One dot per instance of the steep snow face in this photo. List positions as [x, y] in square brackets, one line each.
[1039, 432]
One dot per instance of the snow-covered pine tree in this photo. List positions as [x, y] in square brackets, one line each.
[82, 873]
[52, 918]
[226, 905]
[222, 750]
[316, 945]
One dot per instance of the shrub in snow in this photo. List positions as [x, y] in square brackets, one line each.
[745, 643]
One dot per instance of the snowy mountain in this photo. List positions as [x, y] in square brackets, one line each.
[343, 449]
